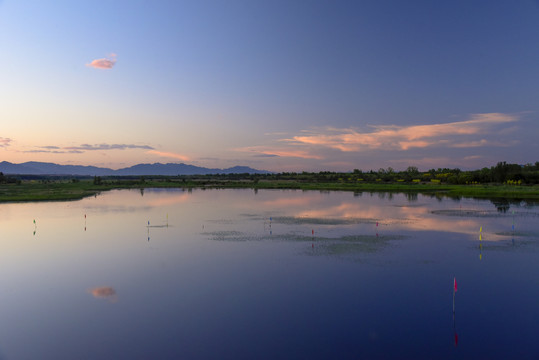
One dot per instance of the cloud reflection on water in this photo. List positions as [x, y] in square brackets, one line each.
[104, 292]
[312, 208]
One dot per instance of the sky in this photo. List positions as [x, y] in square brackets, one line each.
[279, 85]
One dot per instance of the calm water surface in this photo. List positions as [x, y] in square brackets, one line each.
[238, 274]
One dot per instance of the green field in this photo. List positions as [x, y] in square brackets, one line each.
[55, 190]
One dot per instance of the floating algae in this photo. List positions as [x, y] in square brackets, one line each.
[240, 236]
[354, 245]
[481, 213]
[253, 216]
[223, 221]
[527, 245]
[361, 239]
[467, 213]
[370, 238]
[293, 220]
[517, 233]
[227, 236]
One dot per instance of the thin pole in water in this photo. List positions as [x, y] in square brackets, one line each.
[454, 291]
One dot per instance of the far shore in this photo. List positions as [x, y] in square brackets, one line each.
[58, 189]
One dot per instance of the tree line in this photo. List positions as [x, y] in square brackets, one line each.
[9, 179]
[502, 173]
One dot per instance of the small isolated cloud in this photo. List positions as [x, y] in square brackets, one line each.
[88, 147]
[105, 63]
[169, 155]
[4, 142]
[260, 151]
[104, 292]
[265, 155]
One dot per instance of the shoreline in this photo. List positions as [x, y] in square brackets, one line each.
[69, 190]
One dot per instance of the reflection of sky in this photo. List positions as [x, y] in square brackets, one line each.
[397, 213]
[120, 211]
[104, 292]
[182, 281]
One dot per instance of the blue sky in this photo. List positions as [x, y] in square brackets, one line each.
[276, 85]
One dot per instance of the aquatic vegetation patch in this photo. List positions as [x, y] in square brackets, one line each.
[371, 238]
[222, 221]
[470, 213]
[517, 233]
[341, 249]
[253, 216]
[294, 220]
[467, 213]
[352, 246]
[227, 236]
[527, 245]
[295, 237]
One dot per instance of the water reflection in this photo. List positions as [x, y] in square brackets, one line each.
[456, 337]
[330, 274]
[502, 205]
[105, 293]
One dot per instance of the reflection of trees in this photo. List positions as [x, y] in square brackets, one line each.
[502, 205]
[531, 203]
[411, 197]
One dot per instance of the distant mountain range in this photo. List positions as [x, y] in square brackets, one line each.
[170, 169]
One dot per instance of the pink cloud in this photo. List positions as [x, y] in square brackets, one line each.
[5, 142]
[169, 155]
[105, 63]
[394, 137]
[405, 145]
[104, 292]
[294, 153]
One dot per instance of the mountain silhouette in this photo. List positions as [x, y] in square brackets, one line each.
[170, 169]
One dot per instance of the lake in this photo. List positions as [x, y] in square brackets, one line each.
[244, 274]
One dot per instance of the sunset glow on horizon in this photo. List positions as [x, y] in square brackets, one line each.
[274, 85]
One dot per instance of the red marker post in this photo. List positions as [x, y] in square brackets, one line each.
[454, 291]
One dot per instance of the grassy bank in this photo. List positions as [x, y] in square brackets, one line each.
[55, 190]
